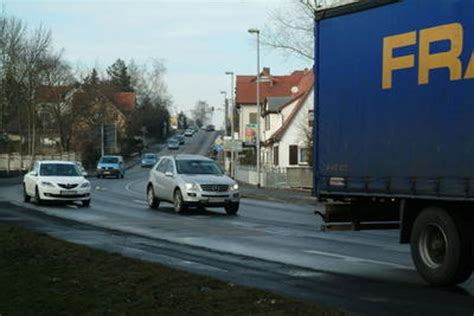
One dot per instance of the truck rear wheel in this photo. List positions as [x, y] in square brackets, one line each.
[440, 248]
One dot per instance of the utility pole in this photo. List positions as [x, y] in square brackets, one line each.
[257, 31]
[102, 149]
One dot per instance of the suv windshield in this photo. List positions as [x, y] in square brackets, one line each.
[197, 167]
[56, 169]
[108, 160]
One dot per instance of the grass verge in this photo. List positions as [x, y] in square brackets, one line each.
[43, 275]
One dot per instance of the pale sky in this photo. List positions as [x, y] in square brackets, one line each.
[197, 40]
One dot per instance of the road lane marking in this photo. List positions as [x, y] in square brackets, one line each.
[127, 187]
[358, 260]
[140, 202]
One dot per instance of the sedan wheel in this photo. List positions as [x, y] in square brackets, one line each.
[179, 206]
[37, 197]
[26, 197]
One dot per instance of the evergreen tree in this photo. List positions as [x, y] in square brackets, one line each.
[93, 78]
[119, 76]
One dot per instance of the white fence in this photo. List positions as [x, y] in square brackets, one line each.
[16, 162]
[295, 177]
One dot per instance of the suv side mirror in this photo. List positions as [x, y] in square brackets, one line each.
[169, 174]
[34, 173]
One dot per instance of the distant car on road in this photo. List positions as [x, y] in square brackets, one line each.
[210, 128]
[111, 166]
[149, 160]
[56, 181]
[180, 138]
[192, 181]
[189, 132]
[173, 144]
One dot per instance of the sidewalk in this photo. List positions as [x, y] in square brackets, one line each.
[277, 195]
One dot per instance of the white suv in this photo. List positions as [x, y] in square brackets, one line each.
[56, 180]
[192, 180]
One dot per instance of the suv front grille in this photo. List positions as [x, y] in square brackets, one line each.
[67, 186]
[215, 187]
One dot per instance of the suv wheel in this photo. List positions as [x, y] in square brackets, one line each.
[232, 209]
[179, 205]
[152, 200]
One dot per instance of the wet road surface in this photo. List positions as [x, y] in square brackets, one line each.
[277, 246]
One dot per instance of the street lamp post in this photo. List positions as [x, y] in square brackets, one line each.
[257, 31]
[232, 109]
[226, 110]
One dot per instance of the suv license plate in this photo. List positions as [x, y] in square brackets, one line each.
[68, 192]
[216, 200]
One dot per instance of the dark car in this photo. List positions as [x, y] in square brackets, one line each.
[149, 160]
[210, 128]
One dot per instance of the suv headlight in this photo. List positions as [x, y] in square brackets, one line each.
[234, 187]
[47, 184]
[191, 186]
[85, 185]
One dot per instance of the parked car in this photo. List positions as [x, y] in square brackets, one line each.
[180, 138]
[192, 181]
[173, 144]
[149, 160]
[111, 166]
[210, 128]
[56, 181]
[189, 132]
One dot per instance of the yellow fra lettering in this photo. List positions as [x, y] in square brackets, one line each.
[450, 59]
[391, 63]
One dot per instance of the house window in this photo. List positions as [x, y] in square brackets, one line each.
[252, 118]
[293, 155]
[275, 156]
[303, 156]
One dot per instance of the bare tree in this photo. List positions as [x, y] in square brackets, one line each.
[201, 113]
[58, 81]
[292, 30]
[36, 48]
[148, 81]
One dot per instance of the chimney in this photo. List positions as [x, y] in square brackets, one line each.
[266, 71]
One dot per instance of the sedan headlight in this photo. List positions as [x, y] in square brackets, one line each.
[47, 184]
[85, 185]
[234, 187]
[191, 186]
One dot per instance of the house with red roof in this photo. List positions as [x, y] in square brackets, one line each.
[286, 116]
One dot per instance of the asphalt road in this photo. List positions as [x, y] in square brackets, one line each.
[277, 246]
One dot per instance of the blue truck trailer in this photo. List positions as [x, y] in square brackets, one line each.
[394, 126]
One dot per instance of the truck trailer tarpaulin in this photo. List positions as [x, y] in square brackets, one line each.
[394, 126]
[395, 92]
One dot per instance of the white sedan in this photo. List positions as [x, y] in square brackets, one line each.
[56, 181]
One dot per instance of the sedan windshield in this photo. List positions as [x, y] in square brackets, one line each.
[150, 156]
[108, 160]
[56, 169]
[197, 167]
